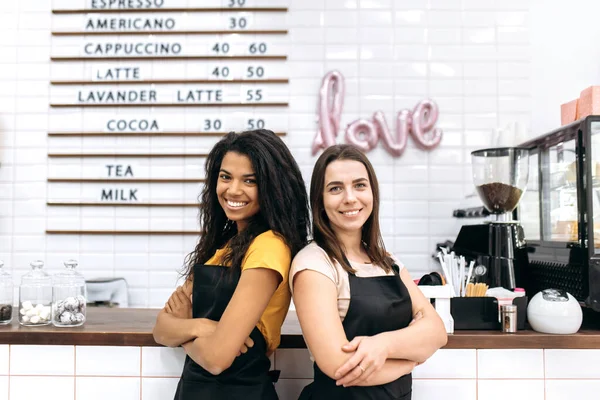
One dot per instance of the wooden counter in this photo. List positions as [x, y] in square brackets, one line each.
[133, 327]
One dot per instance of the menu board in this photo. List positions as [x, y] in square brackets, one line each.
[142, 89]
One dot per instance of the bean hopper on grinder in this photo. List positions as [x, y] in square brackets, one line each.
[498, 246]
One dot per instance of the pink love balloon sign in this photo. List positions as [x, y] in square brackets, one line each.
[365, 133]
[331, 103]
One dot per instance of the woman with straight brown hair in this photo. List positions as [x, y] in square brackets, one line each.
[366, 323]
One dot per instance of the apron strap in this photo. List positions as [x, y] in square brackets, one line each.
[395, 266]
[348, 262]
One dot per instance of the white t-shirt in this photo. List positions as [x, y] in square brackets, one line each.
[314, 258]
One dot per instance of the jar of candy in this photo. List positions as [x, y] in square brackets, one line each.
[6, 296]
[35, 296]
[68, 297]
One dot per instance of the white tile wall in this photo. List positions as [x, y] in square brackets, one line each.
[162, 361]
[430, 389]
[41, 360]
[572, 389]
[465, 374]
[572, 364]
[438, 365]
[101, 388]
[290, 388]
[4, 387]
[108, 360]
[293, 363]
[513, 389]
[158, 388]
[471, 57]
[4, 359]
[50, 387]
[500, 363]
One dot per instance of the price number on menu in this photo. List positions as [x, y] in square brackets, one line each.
[220, 72]
[212, 124]
[254, 95]
[253, 48]
[216, 124]
[257, 48]
[238, 23]
[251, 72]
[255, 71]
[236, 3]
[254, 123]
[221, 48]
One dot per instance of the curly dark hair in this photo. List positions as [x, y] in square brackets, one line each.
[282, 199]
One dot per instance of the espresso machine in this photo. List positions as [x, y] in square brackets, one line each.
[497, 245]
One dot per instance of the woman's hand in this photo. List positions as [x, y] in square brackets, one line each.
[247, 344]
[369, 357]
[179, 304]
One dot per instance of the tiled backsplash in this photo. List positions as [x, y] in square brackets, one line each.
[470, 56]
[152, 373]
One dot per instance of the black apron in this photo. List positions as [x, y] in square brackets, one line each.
[248, 378]
[377, 304]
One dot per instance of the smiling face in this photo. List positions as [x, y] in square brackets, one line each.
[347, 195]
[237, 189]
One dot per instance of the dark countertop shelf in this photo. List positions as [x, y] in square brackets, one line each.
[133, 327]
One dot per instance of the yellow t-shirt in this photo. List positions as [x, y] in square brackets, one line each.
[268, 250]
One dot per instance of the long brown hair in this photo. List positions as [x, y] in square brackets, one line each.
[323, 234]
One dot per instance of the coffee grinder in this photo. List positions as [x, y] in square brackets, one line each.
[498, 246]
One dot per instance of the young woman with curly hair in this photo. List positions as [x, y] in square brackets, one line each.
[227, 316]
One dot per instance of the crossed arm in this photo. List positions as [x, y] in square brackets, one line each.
[215, 344]
[174, 323]
[384, 357]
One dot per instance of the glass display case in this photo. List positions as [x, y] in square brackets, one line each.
[560, 211]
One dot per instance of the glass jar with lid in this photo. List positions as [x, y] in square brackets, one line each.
[35, 296]
[6, 296]
[68, 297]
